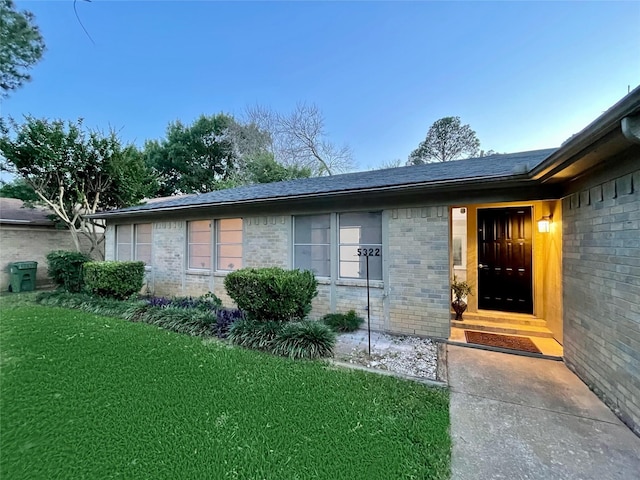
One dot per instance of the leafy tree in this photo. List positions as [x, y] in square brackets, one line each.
[208, 155]
[20, 189]
[447, 139]
[264, 169]
[21, 46]
[300, 139]
[76, 172]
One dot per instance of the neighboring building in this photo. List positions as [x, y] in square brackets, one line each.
[28, 234]
[576, 272]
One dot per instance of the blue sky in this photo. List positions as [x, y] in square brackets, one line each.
[523, 75]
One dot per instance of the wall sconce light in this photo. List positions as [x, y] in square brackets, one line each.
[544, 224]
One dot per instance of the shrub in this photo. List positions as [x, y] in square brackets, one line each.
[114, 279]
[85, 302]
[305, 340]
[136, 312]
[65, 269]
[180, 320]
[192, 321]
[343, 322]
[272, 294]
[295, 339]
[256, 335]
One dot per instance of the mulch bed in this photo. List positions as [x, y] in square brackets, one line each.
[523, 344]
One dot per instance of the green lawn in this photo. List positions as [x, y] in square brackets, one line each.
[84, 396]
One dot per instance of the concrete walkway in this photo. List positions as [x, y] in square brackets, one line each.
[516, 417]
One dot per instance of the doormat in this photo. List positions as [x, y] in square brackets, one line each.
[523, 344]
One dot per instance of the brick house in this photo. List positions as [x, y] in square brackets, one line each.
[548, 238]
[28, 234]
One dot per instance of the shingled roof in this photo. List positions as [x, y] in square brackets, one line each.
[14, 211]
[516, 165]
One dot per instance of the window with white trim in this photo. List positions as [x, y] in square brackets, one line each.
[199, 245]
[312, 244]
[142, 251]
[459, 238]
[228, 244]
[357, 231]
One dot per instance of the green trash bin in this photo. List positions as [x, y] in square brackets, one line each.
[23, 276]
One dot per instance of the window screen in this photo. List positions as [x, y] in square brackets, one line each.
[360, 230]
[229, 244]
[123, 242]
[199, 244]
[311, 250]
[143, 243]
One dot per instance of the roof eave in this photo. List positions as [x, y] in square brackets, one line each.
[450, 184]
[571, 151]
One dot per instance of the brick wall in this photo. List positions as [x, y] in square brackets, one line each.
[266, 241]
[168, 262]
[413, 299]
[601, 284]
[354, 297]
[321, 304]
[31, 244]
[419, 294]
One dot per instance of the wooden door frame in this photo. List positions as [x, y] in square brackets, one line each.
[472, 251]
[526, 288]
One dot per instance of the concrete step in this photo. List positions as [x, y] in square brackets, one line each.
[504, 328]
[528, 320]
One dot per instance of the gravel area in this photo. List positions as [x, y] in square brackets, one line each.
[406, 355]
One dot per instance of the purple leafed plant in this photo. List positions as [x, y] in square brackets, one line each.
[226, 317]
[159, 301]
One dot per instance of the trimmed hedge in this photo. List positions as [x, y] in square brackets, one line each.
[272, 294]
[65, 269]
[114, 279]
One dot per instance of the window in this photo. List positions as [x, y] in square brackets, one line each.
[459, 237]
[311, 250]
[457, 251]
[199, 244]
[360, 230]
[229, 244]
[123, 242]
[143, 243]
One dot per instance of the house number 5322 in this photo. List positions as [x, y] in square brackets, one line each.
[368, 252]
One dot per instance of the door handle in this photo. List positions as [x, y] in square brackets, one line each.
[480, 265]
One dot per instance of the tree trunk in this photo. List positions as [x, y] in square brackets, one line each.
[75, 237]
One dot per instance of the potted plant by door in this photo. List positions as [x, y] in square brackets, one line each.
[460, 290]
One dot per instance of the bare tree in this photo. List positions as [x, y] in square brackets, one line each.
[395, 163]
[299, 139]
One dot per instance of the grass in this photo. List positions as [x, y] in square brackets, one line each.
[85, 396]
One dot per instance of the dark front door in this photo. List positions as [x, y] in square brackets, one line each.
[504, 259]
